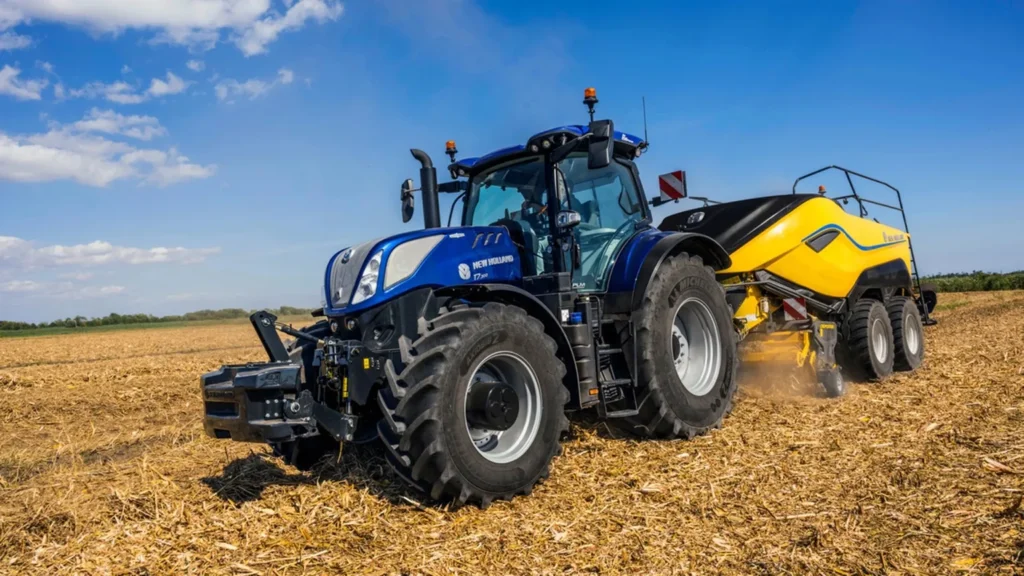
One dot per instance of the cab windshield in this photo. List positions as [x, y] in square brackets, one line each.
[515, 195]
[514, 191]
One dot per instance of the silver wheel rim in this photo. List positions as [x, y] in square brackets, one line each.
[912, 334]
[879, 343]
[696, 346]
[502, 446]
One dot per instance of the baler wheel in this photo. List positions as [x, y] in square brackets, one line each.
[907, 333]
[870, 347]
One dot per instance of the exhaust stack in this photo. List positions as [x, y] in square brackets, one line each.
[428, 186]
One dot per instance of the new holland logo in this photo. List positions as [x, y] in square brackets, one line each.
[464, 272]
[346, 255]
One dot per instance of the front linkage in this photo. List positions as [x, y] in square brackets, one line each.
[272, 402]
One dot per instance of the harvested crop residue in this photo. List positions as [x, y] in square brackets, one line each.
[104, 469]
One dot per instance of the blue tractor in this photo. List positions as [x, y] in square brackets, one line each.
[462, 349]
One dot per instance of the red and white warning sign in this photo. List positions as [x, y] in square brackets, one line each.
[794, 309]
[672, 185]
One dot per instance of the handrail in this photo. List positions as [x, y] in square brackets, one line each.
[864, 211]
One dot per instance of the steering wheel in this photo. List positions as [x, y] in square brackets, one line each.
[533, 213]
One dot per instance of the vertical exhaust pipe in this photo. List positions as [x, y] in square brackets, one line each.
[428, 185]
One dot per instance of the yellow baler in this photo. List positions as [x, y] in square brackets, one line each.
[814, 283]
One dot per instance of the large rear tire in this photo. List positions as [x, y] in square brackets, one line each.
[870, 347]
[686, 352]
[430, 434]
[907, 333]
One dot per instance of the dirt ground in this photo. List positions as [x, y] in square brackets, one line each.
[104, 469]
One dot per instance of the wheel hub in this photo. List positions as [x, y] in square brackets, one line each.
[696, 346]
[503, 407]
[911, 330]
[492, 406]
[879, 341]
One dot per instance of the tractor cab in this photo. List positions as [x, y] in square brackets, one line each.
[588, 212]
[570, 198]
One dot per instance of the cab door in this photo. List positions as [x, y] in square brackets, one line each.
[608, 202]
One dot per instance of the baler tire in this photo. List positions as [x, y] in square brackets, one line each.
[861, 355]
[907, 333]
[832, 383]
[424, 426]
[666, 408]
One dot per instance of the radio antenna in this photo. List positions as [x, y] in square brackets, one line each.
[643, 100]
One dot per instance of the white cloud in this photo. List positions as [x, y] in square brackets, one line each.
[252, 24]
[20, 89]
[63, 290]
[181, 297]
[126, 69]
[229, 88]
[76, 152]
[118, 92]
[19, 253]
[173, 85]
[76, 276]
[121, 92]
[21, 286]
[46, 66]
[12, 41]
[195, 65]
[109, 122]
[255, 39]
[58, 91]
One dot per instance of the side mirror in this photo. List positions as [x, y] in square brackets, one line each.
[408, 200]
[567, 219]
[601, 145]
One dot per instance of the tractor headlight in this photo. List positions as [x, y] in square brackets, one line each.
[367, 286]
[407, 257]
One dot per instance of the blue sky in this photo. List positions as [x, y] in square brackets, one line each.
[162, 156]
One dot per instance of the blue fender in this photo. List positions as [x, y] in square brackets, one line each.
[639, 261]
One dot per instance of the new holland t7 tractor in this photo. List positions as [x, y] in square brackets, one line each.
[461, 349]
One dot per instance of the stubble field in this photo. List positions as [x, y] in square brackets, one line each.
[104, 469]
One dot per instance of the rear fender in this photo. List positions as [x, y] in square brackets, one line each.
[515, 296]
[673, 244]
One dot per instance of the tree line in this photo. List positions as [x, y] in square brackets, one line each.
[976, 281]
[115, 319]
[961, 282]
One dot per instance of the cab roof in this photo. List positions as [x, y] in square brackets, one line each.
[625, 145]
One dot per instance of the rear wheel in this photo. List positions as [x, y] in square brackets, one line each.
[478, 412]
[907, 334]
[870, 346]
[686, 352]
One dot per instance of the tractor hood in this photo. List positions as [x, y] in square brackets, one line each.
[369, 274]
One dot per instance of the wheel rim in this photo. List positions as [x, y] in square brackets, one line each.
[696, 346]
[912, 333]
[507, 445]
[879, 343]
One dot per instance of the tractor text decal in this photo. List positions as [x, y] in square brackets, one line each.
[893, 237]
[493, 261]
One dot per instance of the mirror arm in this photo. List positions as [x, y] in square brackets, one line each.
[451, 212]
[559, 154]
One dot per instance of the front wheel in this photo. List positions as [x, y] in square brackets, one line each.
[686, 352]
[478, 412]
